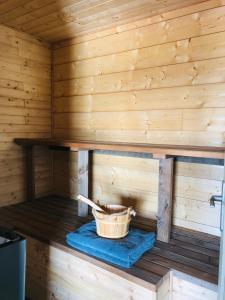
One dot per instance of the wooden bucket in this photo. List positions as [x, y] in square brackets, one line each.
[114, 225]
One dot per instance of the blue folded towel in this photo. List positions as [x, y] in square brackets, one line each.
[123, 252]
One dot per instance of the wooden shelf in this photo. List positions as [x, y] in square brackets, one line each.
[164, 153]
[158, 150]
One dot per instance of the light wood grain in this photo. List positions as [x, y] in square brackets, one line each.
[77, 272]
[161, 82]
[188, 287]
[134, 181]
[200, 96]
[168, 76]
[195, 8]
[24, 110]
[197, 48]
[54, 21]
[151, 35]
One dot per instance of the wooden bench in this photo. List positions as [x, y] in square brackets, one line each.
[164, 153]
[54, 267]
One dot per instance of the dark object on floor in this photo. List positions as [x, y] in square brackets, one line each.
[123, 252]
[12, 265]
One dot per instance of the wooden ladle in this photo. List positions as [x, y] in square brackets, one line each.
[91, 203]
[97, 207]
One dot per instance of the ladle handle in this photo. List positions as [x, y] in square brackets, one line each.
[89, 202]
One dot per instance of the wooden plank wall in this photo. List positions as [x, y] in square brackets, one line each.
[158, 80]
[25, 111]
[188, 287]
[56, 274]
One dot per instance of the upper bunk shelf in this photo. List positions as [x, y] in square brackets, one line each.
[158, 150]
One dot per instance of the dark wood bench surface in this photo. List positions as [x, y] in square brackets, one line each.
[49, 219]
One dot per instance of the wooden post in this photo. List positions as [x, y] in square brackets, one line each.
[164, 215]
[30, 174]
[221, 283]
[83, 159]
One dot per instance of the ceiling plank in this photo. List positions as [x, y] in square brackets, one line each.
[74, 29]
[63, 19]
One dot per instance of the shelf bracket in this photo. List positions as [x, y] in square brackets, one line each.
[30, 173]
[165, 194]
[83, 168]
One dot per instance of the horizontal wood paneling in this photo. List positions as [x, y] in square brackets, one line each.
[209, 119]
[197, 48]
[61, 19]
[195, 7]
[193, 25]
[154, 78]
[134, 181]
[25, 111]
[203, 96]
[159, 80]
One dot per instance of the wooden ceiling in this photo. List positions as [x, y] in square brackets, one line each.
[55, 20]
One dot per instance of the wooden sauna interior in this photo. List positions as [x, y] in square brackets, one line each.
[139, 85]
